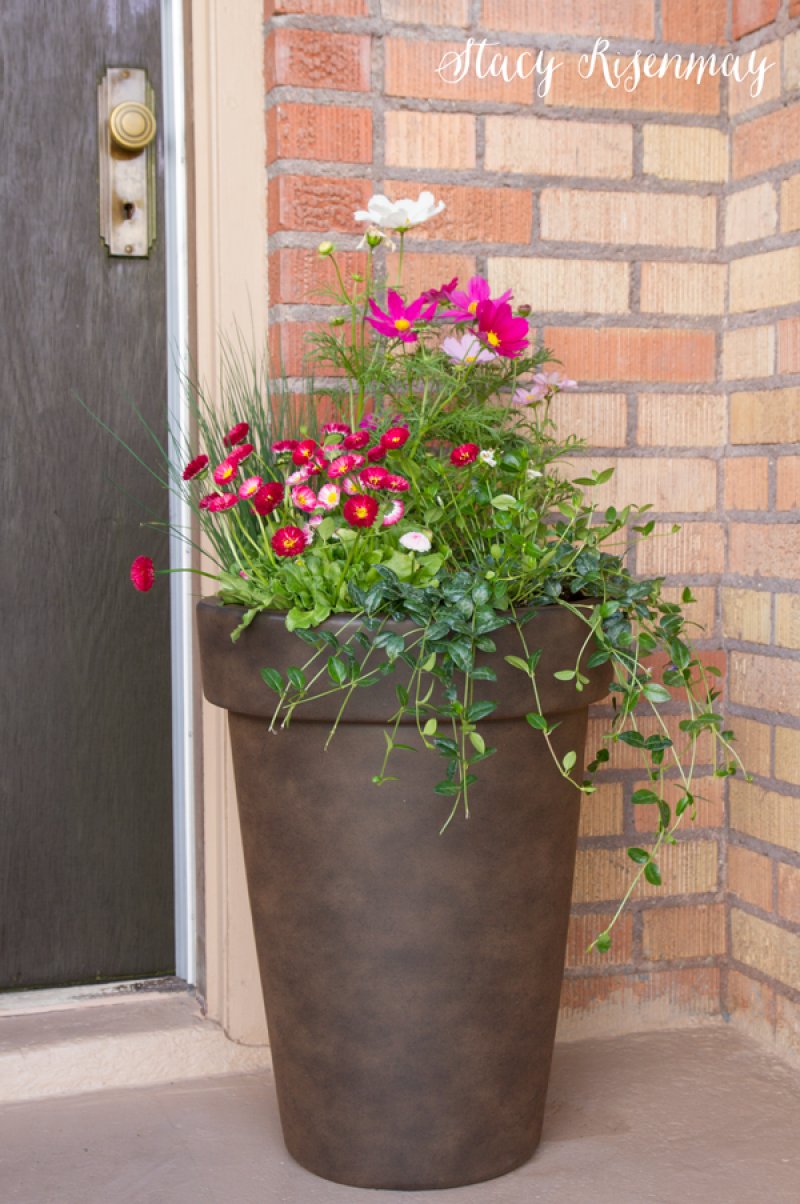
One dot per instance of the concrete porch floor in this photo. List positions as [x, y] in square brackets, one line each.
[676, 1117]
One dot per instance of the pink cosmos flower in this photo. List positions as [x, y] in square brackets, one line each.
[195, 468]
[240, 454]
[443, 294]
[395, 437]
[283, 445]
[268, 498]
[467, 350]
[221, 501]
[395, 483]
[142, 574]
[288, 541]
[373, 476]
[360, 510]
[225, 472]
[304, 498]
[466, 453]
[398, 322]
[416, 541]
[328, 496]
[498, 327]
[394, 513]
[357, 440]
[250, 487]
[467, 301]
[236, 434]
[555, 381]
[335, 428]
[528, 395]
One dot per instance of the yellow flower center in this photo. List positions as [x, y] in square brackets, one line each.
[473, 307]
[402, 324]
[470, 359]
[493, 338]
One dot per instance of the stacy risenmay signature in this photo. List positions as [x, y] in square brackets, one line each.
[617, 71]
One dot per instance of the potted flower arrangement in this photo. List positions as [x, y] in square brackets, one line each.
[417, 603]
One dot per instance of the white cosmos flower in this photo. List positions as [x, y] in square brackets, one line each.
[487, 456]
[399, 215]
[415, 541]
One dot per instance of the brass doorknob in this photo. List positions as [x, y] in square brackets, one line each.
[132, 126]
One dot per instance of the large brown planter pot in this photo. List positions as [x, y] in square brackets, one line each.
[411, 980]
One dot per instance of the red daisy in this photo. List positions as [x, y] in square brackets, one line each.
[395, 437]
[142, 574]
[378, 452]
[206, 501]
[236, 434]
[240, 454]
[288, 541]
[466, 453]
[373, 476]
[360, 510]
[195, 467]
[222, 501]
[335, 428]
[355, 441]
[225, 472]
[283, 445]
[305, 451]
[268, 497]
[395, 483]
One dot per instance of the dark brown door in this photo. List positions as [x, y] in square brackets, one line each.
[85, 779]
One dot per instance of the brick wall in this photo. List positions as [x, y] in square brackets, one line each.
[657, 235]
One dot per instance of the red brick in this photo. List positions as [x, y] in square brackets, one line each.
[630, 354]
[750, 876]
[585, 927]
[767, 141]
[710, 805]
[749, 15]
[623, 18]
[789, 892]
[794, 9]
[302, 58]
[422, 12]
[299, 274]
[316, 8]
[747, 483]
[315, 203]
[788, 489]
[693, 991]
[765, 550]
[789, 343]
[289, 346]
[745, 994]
[334, 133]
[688, 21]
[482, 215]
[667, 95]
[675, 932]
[411, 70]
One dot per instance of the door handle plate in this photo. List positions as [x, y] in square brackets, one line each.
[127, 165]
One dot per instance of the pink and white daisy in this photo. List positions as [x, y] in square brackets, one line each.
[351, 486]
[250, 487]
[224, 472]
[298, 476]
[328, 496]
[394, 513]
[304, 498]
[373, 476]
[395, 483]
[416, 541]
[335, 428]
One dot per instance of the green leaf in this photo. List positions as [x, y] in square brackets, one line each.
[429, 663]
[644, 796]
[447, 788]
[654, 692]
[297, 677]
[480, 710]
[633, 739]
[640, 856]
[651, 873]
[429, 729]
[569, 759]
[483, 673]
[603, 942]
[336, 671]
[516, 662]
[402, 695]
[538, 722]
[446, 745]
[477, 741]
[273, 679]
[504, 501]
[564, 675]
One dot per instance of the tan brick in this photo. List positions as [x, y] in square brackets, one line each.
[691, 992]
[472, 215]
[787, 1012]
[421, 272]
[790, 203]
[680, 420]
[315, 202]
[761, 281]
[625, 18]
[698, 548]
[789, 892]
[654, 481]
[747, 483]
[789, 345]
[788, 488]
[317, 8]
[749, 998]
[760, 550]
[601, 812]
[334, 133]
[599, 418]
[686, 152]
[688, 867]
[766, 141]
[585, 927]
[430, 140]
[302, 59]
[751, 214]
[769, 416]
[750, 876]
[686, 21]
[702, 611]
[749, 15]
[564, 285]
[683, 288]
[753, 743]
[768, 682]
[657, 95]
[791, 62]
[746, 615]
[629, 218]
[422, 12]
[772, 950]
[675, 932]
[765, 814]
[411, 71]
[787, 620]
[741, 96]
[549, 147]
[749, 352]
[631, 354]
[787, 757]
[624, 757]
